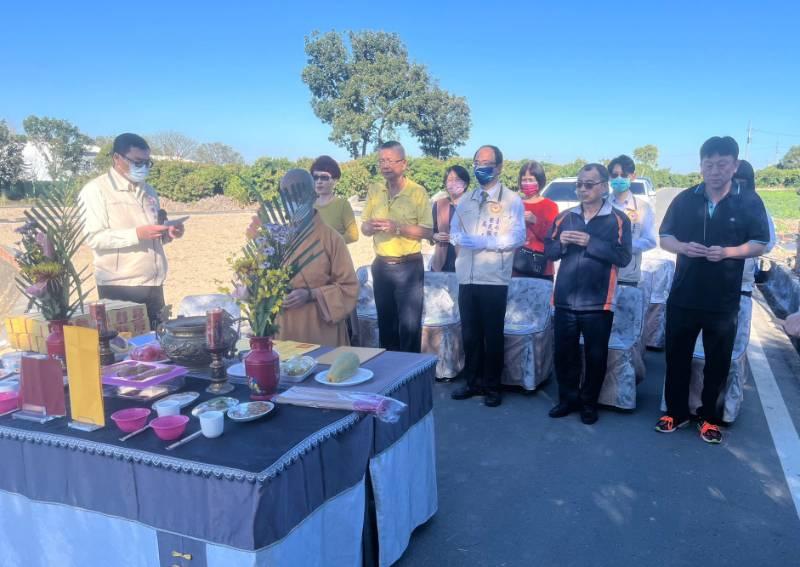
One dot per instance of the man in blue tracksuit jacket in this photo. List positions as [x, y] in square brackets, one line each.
[592, 241]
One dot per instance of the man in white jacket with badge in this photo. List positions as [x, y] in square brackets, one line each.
[126, 228]
[488, 226]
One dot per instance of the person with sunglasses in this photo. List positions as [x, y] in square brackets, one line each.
[622, 171]
[335, 211]
[397, 215]
[711, 227]
[126, 228]
[592, 241]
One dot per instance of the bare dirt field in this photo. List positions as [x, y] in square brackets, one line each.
[197, 262]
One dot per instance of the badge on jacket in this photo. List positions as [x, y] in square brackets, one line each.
[495, 208]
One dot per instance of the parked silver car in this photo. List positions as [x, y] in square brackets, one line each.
[562, 191]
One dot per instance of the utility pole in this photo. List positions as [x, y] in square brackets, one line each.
[749, 139]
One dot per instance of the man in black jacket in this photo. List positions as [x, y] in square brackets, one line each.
[592, 241]
[712, 227]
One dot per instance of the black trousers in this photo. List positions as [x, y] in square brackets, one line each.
[151, 295]
[595, 326]
[719, 334]
[398, 300]
[483, 312]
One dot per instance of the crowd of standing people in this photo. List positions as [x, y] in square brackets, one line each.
[488, 233]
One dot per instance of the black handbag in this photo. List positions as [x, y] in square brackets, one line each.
[529, 263]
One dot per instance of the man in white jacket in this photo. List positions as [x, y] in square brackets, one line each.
[125, 228]
[488, 225]
[622, 171]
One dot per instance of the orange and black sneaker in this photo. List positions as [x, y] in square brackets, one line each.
[709, 432]
[667, 424]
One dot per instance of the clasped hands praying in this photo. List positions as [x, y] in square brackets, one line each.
[710, 253]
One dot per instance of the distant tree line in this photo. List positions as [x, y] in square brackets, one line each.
[186, 170]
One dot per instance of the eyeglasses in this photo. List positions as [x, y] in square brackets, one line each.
[324, 177]
[587, 184]
[389, 161]
[138, 162]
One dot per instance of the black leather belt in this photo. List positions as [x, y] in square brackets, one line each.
[400, 259]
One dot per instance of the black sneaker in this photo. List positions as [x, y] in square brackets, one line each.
[492, 399]
[465, 393]
[589, 415]
[562, 409]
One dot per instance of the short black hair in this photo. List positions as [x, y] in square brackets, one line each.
[625, 162]
[534, 168]
[126, 141]
[746, 176]
[328, 165]
[393, 145]
[462, 173]
[498, 155]
[599, 168]
[719, 146]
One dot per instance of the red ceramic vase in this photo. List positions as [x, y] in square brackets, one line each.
[262, 366]
[55, 341]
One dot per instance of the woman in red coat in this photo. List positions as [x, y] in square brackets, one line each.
[540, 213]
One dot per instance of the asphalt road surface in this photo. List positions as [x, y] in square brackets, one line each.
[517, 488]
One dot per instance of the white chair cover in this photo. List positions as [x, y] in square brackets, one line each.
[663, 270]
[441, 323]
[619, 385]
[366, 327]
[528, 351]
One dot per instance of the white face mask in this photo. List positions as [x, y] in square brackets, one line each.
[138, 174]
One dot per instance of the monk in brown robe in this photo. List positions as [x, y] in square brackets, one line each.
[323, 294]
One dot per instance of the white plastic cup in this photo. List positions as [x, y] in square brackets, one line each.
[168, 407]
[212, 423]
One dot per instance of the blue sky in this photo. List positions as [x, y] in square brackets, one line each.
[553, 81]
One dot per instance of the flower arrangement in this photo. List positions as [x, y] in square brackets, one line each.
[50, 237]
[272, 257]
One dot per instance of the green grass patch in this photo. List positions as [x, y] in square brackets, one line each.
[781, 204]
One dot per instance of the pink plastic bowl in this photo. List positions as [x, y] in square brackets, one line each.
[8, 401]
[131, 419]
[169, 427]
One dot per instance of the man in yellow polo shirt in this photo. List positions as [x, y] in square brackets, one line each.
[397, 216]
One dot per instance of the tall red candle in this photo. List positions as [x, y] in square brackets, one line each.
[214, 328]
[97, 314]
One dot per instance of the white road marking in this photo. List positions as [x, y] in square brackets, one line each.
[781, 426]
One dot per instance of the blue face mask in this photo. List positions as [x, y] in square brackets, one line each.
[138, 174]
[484, 175]
[620, 184]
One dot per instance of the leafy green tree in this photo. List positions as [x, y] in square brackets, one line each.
[364, 93]
[265, 174]
[103, 160]
[11, 162]
[61, 143]
[356, 179]
[441, 122]
[217, 153]
[166, 177]
[791, 160]
[646, 155]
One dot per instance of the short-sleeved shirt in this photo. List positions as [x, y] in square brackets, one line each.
[410, 206]
[738, 218]
[338, 214]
